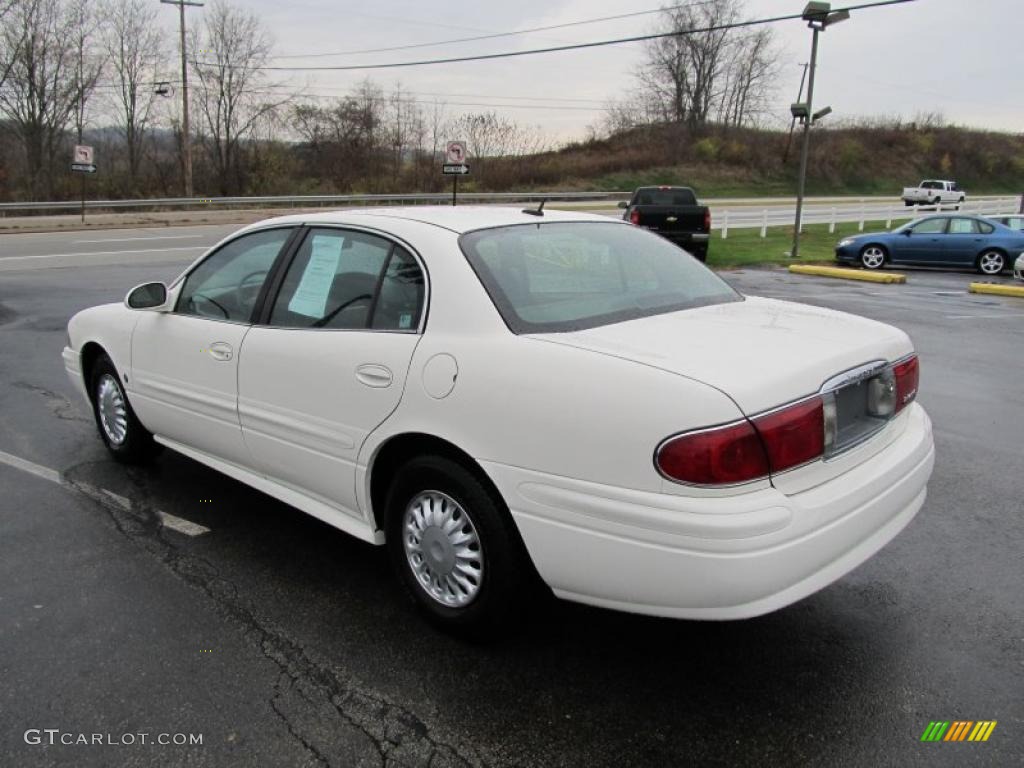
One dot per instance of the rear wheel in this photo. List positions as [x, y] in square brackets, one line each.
[455, 548]
[991, 263]
[872, 257]
[123, 434]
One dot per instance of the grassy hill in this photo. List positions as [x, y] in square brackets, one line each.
[876, 159]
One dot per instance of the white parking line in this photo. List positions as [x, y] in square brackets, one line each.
[173, 522]
[104, 253]
[31, 467]
[181, 525]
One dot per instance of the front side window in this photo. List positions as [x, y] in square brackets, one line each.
[570, 276]
[227, 283]
[348, 280]
[929, 227]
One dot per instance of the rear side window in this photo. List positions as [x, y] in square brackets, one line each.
[963, 227]
[348, 280]
[984, 227]
[569, 276]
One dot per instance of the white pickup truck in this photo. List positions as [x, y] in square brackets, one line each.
[933, 192]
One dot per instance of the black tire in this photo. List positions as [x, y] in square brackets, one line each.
[137, 445]
[869, 256]
[988, 260]
[507, 575]
[700, 255]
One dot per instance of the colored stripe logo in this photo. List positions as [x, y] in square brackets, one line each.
[958, 730]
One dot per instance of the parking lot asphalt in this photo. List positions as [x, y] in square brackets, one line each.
[284, 642]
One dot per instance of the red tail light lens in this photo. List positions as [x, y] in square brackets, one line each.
[707, 220]
[634, 216]
[794, 435]
[745, 451]
[908, 375]
[720, 456]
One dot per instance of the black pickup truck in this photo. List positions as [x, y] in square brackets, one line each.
[673, 213]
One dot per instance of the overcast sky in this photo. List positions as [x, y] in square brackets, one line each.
[963, 58]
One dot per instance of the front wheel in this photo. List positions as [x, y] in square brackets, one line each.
[123, 434]
[872, 257]
[455, 548]
[991, 263]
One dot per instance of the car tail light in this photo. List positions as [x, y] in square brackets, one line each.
[793, 436]
[908, 375]
[707, 219]
[787, 437]
[634, 216]
[719, 456]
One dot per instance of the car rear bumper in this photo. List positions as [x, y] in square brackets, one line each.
[723, 557]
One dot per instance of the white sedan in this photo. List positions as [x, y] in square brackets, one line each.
[500, 397]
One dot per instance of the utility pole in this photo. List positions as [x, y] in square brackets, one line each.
[186, 135]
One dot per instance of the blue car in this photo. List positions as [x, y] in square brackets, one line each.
[945, 240]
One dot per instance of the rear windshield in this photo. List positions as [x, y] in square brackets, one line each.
[549, 278]
[666, 197]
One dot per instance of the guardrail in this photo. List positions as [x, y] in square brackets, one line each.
[310, 201]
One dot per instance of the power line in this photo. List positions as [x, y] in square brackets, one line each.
[491, 36]
[553, 49]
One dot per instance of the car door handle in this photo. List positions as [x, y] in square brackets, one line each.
[220, 350]
[373, 375]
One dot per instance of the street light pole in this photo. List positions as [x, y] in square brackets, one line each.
[186, 135]
[819, 16]
[804, 150]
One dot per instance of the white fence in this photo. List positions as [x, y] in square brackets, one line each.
[859, 211]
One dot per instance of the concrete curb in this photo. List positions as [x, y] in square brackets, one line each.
[1016, 291]
[848, 274]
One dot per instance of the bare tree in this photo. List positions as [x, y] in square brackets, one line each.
[231, 92]
[9, 45]
[41, 91]
[682, 72]
[750, 77]
[88, 60]
[135, 45]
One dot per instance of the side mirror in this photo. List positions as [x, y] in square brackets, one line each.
[906, 232]
[147, 296]
[623, 204]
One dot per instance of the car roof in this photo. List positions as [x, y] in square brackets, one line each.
[459, 219]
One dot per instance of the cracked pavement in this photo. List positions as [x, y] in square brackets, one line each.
[287, 643]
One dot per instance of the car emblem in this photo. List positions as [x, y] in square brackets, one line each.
[671, 218]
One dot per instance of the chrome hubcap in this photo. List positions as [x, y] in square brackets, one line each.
[873, 258]
[112, 409]
[991, 263]
[443, 549]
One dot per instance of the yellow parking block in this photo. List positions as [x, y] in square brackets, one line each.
[1017, 291]
[848, 274]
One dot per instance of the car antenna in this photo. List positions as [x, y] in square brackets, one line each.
[539, 211]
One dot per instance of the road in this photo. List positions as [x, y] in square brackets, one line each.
[284, 642]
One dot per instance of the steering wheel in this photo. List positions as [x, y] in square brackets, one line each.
[334, 313]
[246, 295]
[204, 297]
